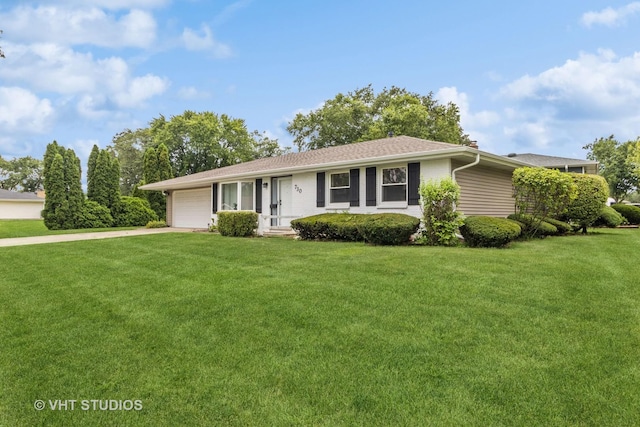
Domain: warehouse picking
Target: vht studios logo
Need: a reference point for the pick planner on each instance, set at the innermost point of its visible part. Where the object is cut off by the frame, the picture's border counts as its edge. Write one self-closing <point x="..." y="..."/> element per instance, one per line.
<point x="88" y="405"/>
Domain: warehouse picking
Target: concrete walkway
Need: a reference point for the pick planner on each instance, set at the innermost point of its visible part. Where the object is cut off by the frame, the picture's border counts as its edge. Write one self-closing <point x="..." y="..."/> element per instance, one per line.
<point x="36" y="240"/>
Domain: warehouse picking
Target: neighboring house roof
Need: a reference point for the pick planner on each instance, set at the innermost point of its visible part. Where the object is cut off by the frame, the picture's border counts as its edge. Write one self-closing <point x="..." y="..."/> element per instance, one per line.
<point x="376" y="151"/>
<point x="554" y="161"/>
<point x="15" y="196"/>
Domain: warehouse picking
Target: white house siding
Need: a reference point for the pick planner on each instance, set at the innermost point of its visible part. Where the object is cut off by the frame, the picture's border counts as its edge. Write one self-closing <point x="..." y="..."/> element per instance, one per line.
<point x="191" y="208"/>
<point x="169" y="209"/>
<point x="485" y="191"/>
<point x="21" y="209"/>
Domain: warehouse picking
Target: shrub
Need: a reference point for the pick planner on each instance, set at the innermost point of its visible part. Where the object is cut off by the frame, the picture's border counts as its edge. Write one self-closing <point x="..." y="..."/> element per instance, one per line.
<point x="609" y="217"/>
<point x="591" y="197"/>
<point x="542" y="192"/>
<point x="156" y="224"/>
<point x="94" y="215"/>
<point x="381" y="229"/>
<point x="388" y="228"/>
<point x="533" y="226"/>
<point x="329" y="226"/>
<point x="629" y="212"/>
<point x="441" y="221"/>
<point x="237" y="223"/>
<point x="133" y="212"/>
<point x="489" y="232"/>
<point x="561" y="226"/>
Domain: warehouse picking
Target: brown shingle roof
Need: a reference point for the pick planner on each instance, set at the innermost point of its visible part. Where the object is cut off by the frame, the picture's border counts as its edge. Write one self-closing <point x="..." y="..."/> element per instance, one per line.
<point x="550" y="161"/>
<point x="376" y="149"/>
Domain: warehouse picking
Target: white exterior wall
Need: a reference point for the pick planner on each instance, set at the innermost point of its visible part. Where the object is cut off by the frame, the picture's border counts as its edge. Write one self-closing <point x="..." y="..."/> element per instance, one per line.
<point x="21" y="209"/>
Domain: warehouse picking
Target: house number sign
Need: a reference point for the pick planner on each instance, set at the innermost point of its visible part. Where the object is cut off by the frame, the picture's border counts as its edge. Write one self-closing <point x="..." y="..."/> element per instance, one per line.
<point x="298" y="189"/>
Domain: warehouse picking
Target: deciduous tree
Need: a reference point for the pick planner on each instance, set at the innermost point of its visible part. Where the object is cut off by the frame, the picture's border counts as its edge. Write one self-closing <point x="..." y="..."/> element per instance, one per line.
<point x="363" y="115"/>
<point x="21" y="174"/>
<point x="616" y="165"/>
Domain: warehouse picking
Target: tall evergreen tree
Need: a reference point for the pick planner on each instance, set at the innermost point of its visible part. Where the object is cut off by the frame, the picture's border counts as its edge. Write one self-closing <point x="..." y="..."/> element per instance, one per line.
<point x="164" y="163"/>
<point x="55" y="201"/>
<point x="73" y="188"/>
<point x="91" y="167"/>
<point x="106" y="181"/>
<point x="151" y="173"/>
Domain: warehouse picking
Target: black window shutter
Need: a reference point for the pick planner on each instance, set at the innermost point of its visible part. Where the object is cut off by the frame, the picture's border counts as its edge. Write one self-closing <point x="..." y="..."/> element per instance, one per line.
<point x="354" y="187"/>
<point x="320" y="189"/>
<point x="259" y="195"/>
<point x="413" y="184"/>
<point x="214" y="197"/>
<point x="370" y="174"/>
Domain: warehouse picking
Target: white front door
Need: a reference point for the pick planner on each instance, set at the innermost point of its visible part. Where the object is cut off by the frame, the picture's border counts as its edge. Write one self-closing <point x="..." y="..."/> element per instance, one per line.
<point x="284" y="201"/>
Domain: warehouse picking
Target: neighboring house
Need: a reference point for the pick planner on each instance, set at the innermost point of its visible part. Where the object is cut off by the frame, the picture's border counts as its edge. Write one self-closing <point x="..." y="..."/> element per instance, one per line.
<point x="563" y="164"/>
<point x="365" y="177"/>
<point x="14" y="205"/>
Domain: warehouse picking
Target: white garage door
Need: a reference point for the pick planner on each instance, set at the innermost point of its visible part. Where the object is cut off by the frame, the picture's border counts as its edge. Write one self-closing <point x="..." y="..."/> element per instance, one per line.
<point x="192" y="208"/>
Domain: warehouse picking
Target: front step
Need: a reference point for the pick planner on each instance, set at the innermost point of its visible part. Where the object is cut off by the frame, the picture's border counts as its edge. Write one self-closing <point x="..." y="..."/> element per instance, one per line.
<point x="279" y="232"/>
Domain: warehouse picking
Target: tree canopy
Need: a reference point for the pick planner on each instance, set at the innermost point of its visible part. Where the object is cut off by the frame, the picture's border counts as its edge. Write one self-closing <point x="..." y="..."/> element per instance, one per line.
<point x="363" y="115"/>
<point x="617" y="165"/>
<point x="1" y="52"/>
<point x="21" y="174"/>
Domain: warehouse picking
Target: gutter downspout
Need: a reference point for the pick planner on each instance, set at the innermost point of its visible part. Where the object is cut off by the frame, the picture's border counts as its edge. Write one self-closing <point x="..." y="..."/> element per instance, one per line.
<point x="453" y="172"/>
<point x="475" y="162"/>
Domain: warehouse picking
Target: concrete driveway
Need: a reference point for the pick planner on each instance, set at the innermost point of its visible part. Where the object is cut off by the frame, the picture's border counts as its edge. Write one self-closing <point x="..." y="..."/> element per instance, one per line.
<point x="36" y="240"/>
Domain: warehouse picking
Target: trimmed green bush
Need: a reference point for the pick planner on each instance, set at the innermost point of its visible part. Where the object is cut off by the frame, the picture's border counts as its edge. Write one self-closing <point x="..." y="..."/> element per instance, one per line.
<point x="592" y="195"/>
<point x="441" y="220"/>
<point x="533" y="227"/>
<point x="237" y="223"/>
<point x="561" y="226"/>
<point x="610" y="218"/>
<point x="94" y="215"/>
<point x="380" y="229"/>
<point x="133" y="212"/>
<point x="388" y="228"/>
<point x="156" y="224"/>
<point x="629" y="212"/>
<point x="489" y="232"/>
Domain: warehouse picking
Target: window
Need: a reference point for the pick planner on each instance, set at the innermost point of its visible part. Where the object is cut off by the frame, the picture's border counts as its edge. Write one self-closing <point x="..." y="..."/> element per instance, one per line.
<point x="230" y="196"/>
<point x="394" y="184"/>
<point x="340" y="187"/>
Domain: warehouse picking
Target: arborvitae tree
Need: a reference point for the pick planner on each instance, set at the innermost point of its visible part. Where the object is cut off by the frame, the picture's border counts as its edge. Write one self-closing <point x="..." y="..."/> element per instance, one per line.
<point x="56" y="201"/>
<point x="52" y="149"/>
<point x="151" y="173"/>
<point x="91" y="167"/>
<point x="106" y="181"/>
<point x="75" y="196"/>
<point x="164" y="163"/>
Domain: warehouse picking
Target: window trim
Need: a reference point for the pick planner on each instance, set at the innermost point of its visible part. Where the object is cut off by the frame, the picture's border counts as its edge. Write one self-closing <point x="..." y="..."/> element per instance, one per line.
<point x="238" y="204"/>
<point x="381" y="185"/>
<point x="330" y="187"/>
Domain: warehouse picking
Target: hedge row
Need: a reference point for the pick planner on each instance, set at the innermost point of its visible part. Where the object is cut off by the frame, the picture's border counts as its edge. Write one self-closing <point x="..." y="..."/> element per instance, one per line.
<point x="489" y="232"/>
<point x="629" y="212"/>
<point x="548" y="227"/>
<point x="609" y="217"/>
<point x="379" y="229"/>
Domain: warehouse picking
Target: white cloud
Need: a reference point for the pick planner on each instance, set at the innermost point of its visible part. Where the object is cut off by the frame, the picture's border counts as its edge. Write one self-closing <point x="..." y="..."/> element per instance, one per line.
<point x="592" y="85"/>
<point x="139" y="90"/>
<point x="79" y="26"/>
<point x="205" y="42"/>
<point x="190" y="92"/>
<point x="610" y="17"/>
<point x="21" y="110"/>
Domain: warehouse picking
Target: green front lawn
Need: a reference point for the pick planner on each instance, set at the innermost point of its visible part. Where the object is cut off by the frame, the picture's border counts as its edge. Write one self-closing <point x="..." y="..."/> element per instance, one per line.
<point x="207" y="330"/>
<point x="35" y="227"/>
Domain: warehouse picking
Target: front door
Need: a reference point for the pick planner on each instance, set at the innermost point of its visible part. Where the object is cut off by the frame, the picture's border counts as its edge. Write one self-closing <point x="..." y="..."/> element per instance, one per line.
<point x="284" y="202"/>
<point x="280" y="201"/>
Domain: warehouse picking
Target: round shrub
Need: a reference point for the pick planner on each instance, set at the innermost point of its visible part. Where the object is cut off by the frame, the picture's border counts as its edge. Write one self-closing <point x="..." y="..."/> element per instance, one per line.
<point x="561" y="226"/>
<point x="237" y="223"/>
<point x="609" y="217"/>
<point x="388" y="228"/>
<point x="629" y="212"/>
<point x="592" y="194"/>
<point x="133" y="212"/>
<point x="533" y="227"/>
<point x="94" y="215"/>
<point x="489" y="232"/>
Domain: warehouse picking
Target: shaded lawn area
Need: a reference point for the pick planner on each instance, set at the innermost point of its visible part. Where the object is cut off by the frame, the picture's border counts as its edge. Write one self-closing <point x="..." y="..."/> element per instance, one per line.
<point x="207" y="330"/>
<point x="10" y="228"/>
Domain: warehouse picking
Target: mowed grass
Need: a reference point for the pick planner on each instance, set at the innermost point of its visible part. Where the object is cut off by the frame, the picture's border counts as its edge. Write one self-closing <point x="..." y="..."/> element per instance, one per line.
<point x="10" y="228"/>
<point x="207" y="330"/>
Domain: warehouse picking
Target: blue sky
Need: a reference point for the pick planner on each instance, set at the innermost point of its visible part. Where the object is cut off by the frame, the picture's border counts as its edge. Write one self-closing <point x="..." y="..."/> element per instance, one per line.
<point x="545" y="77"/>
